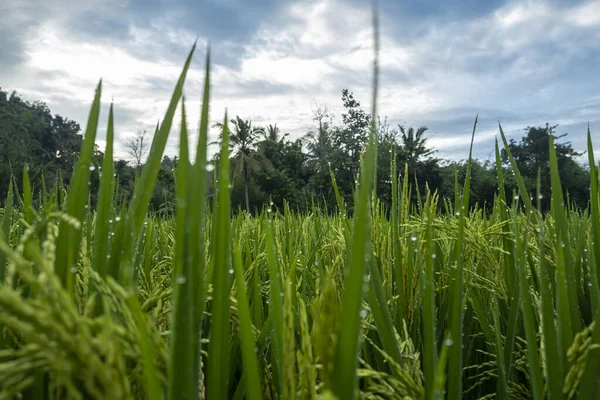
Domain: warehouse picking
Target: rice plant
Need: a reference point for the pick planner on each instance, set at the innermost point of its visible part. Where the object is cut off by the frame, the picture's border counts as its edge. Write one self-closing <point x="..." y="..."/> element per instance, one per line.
<point x="407" y="302"/>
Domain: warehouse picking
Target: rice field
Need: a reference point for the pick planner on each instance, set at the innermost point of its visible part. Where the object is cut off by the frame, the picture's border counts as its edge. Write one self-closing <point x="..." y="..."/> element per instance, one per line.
<point x="425" y="300"/>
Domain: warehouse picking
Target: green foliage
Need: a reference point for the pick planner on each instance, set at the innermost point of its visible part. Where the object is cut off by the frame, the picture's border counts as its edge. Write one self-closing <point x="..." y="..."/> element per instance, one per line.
<point x="30" y="135"/>
<point x="532" y="153"/>
<point x="267" y="166"/>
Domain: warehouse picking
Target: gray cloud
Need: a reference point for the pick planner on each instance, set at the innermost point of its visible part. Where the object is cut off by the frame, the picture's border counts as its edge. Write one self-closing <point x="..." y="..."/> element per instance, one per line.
<point x="518" y="62"/>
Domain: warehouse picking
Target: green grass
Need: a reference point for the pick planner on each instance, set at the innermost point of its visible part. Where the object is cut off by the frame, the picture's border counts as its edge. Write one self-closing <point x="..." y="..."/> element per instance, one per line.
<point x="382" y="304"/>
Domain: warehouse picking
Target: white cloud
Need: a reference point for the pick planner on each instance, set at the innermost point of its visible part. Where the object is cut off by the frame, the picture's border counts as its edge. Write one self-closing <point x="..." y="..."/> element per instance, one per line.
<point x="588" y="14"/>
<point x="499" y="63"/>
<point x="283" y="68"/>
<point x="517" y="14"/>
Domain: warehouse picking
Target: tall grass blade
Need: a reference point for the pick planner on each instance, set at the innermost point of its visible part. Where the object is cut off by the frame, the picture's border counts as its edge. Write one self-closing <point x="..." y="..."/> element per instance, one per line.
<point x="511" y="277"/>
<point x="344" y="373"/>
<point x="381" y="313"/>
<point x="183" y="374"/>
<point x="566" y="295"/>
<point x="520" y="255"/>
<point x="143" y="190"/>
<point x="502" y="391"/>
<point x="428" y="309"/>
<point x="554" y="362"/>
<point x="69" y="238"/>
<point x="6" y="225"/>
<point x="594" y="270"/>
<point x="521" y="184"/>
<point x="152" y="381"/>
<point x="219" y="346"/>
<point x="589" y="380"/>
<point x="276" y="306"/>
<point x="398" y="271"/>
<point x="250" y="361"/>
<point x="197" y="196"/>
<point x="455" y="353"/>
<point x="27" y="196"/>
<point x="104" y="208"/>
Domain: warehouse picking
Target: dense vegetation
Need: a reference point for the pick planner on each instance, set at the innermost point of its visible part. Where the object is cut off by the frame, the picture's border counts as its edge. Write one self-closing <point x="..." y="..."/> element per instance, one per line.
<point x="268" y="167"/>
<point x="408" y="296"/>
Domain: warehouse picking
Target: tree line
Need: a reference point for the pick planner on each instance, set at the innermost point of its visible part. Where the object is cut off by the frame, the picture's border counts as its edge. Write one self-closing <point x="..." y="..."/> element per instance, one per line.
<point x="268" y="168"/>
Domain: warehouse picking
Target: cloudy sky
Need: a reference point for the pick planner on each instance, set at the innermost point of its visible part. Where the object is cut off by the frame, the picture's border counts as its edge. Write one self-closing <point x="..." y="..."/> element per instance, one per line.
<point x="520" y="62"/>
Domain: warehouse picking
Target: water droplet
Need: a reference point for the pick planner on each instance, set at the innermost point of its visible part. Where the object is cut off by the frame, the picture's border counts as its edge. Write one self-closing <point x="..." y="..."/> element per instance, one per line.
<point x="209" y="167"/>
<point x="73" y="270"/>
<point x="92" y="167"/>
<point x="457" y="213"/>
<point x="231" y="271"/>
<point x="181" y="280"/>
<point x="117" y="219"/>
<point x="413" y="238"/>
<point x="434" y="256"/>
<point x="516" y="197"/>
<point x="448" y="341"/>
<point x="363" y="313"/>
<point x="540" y="196"/>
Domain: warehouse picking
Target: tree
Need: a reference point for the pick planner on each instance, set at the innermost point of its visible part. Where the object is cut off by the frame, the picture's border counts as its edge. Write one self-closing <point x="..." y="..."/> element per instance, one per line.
<point x="272" y="133"/>
<point x="387" y="146"/>
<point x="137" y="147"/>
<point x="31" y="136"/>
<point x="533" y="152"/>
<point x="414" y="147"/>
<point x="410" y="146"/>
<point x="283" y="175"/>
<point x="353" y="136"/>
<point x="348" y="143"/>
<point x="242" y="140"/>
<point x="319" y="145"/>
<point x="484" y="181"/>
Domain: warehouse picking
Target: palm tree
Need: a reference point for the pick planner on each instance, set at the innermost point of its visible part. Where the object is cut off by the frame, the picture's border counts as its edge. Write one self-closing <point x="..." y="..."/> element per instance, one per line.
<point x="271" y="133"/>
<point x="319" y="146"/>
<point x="414" y="144"/>
<point x="242" y="141"/>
